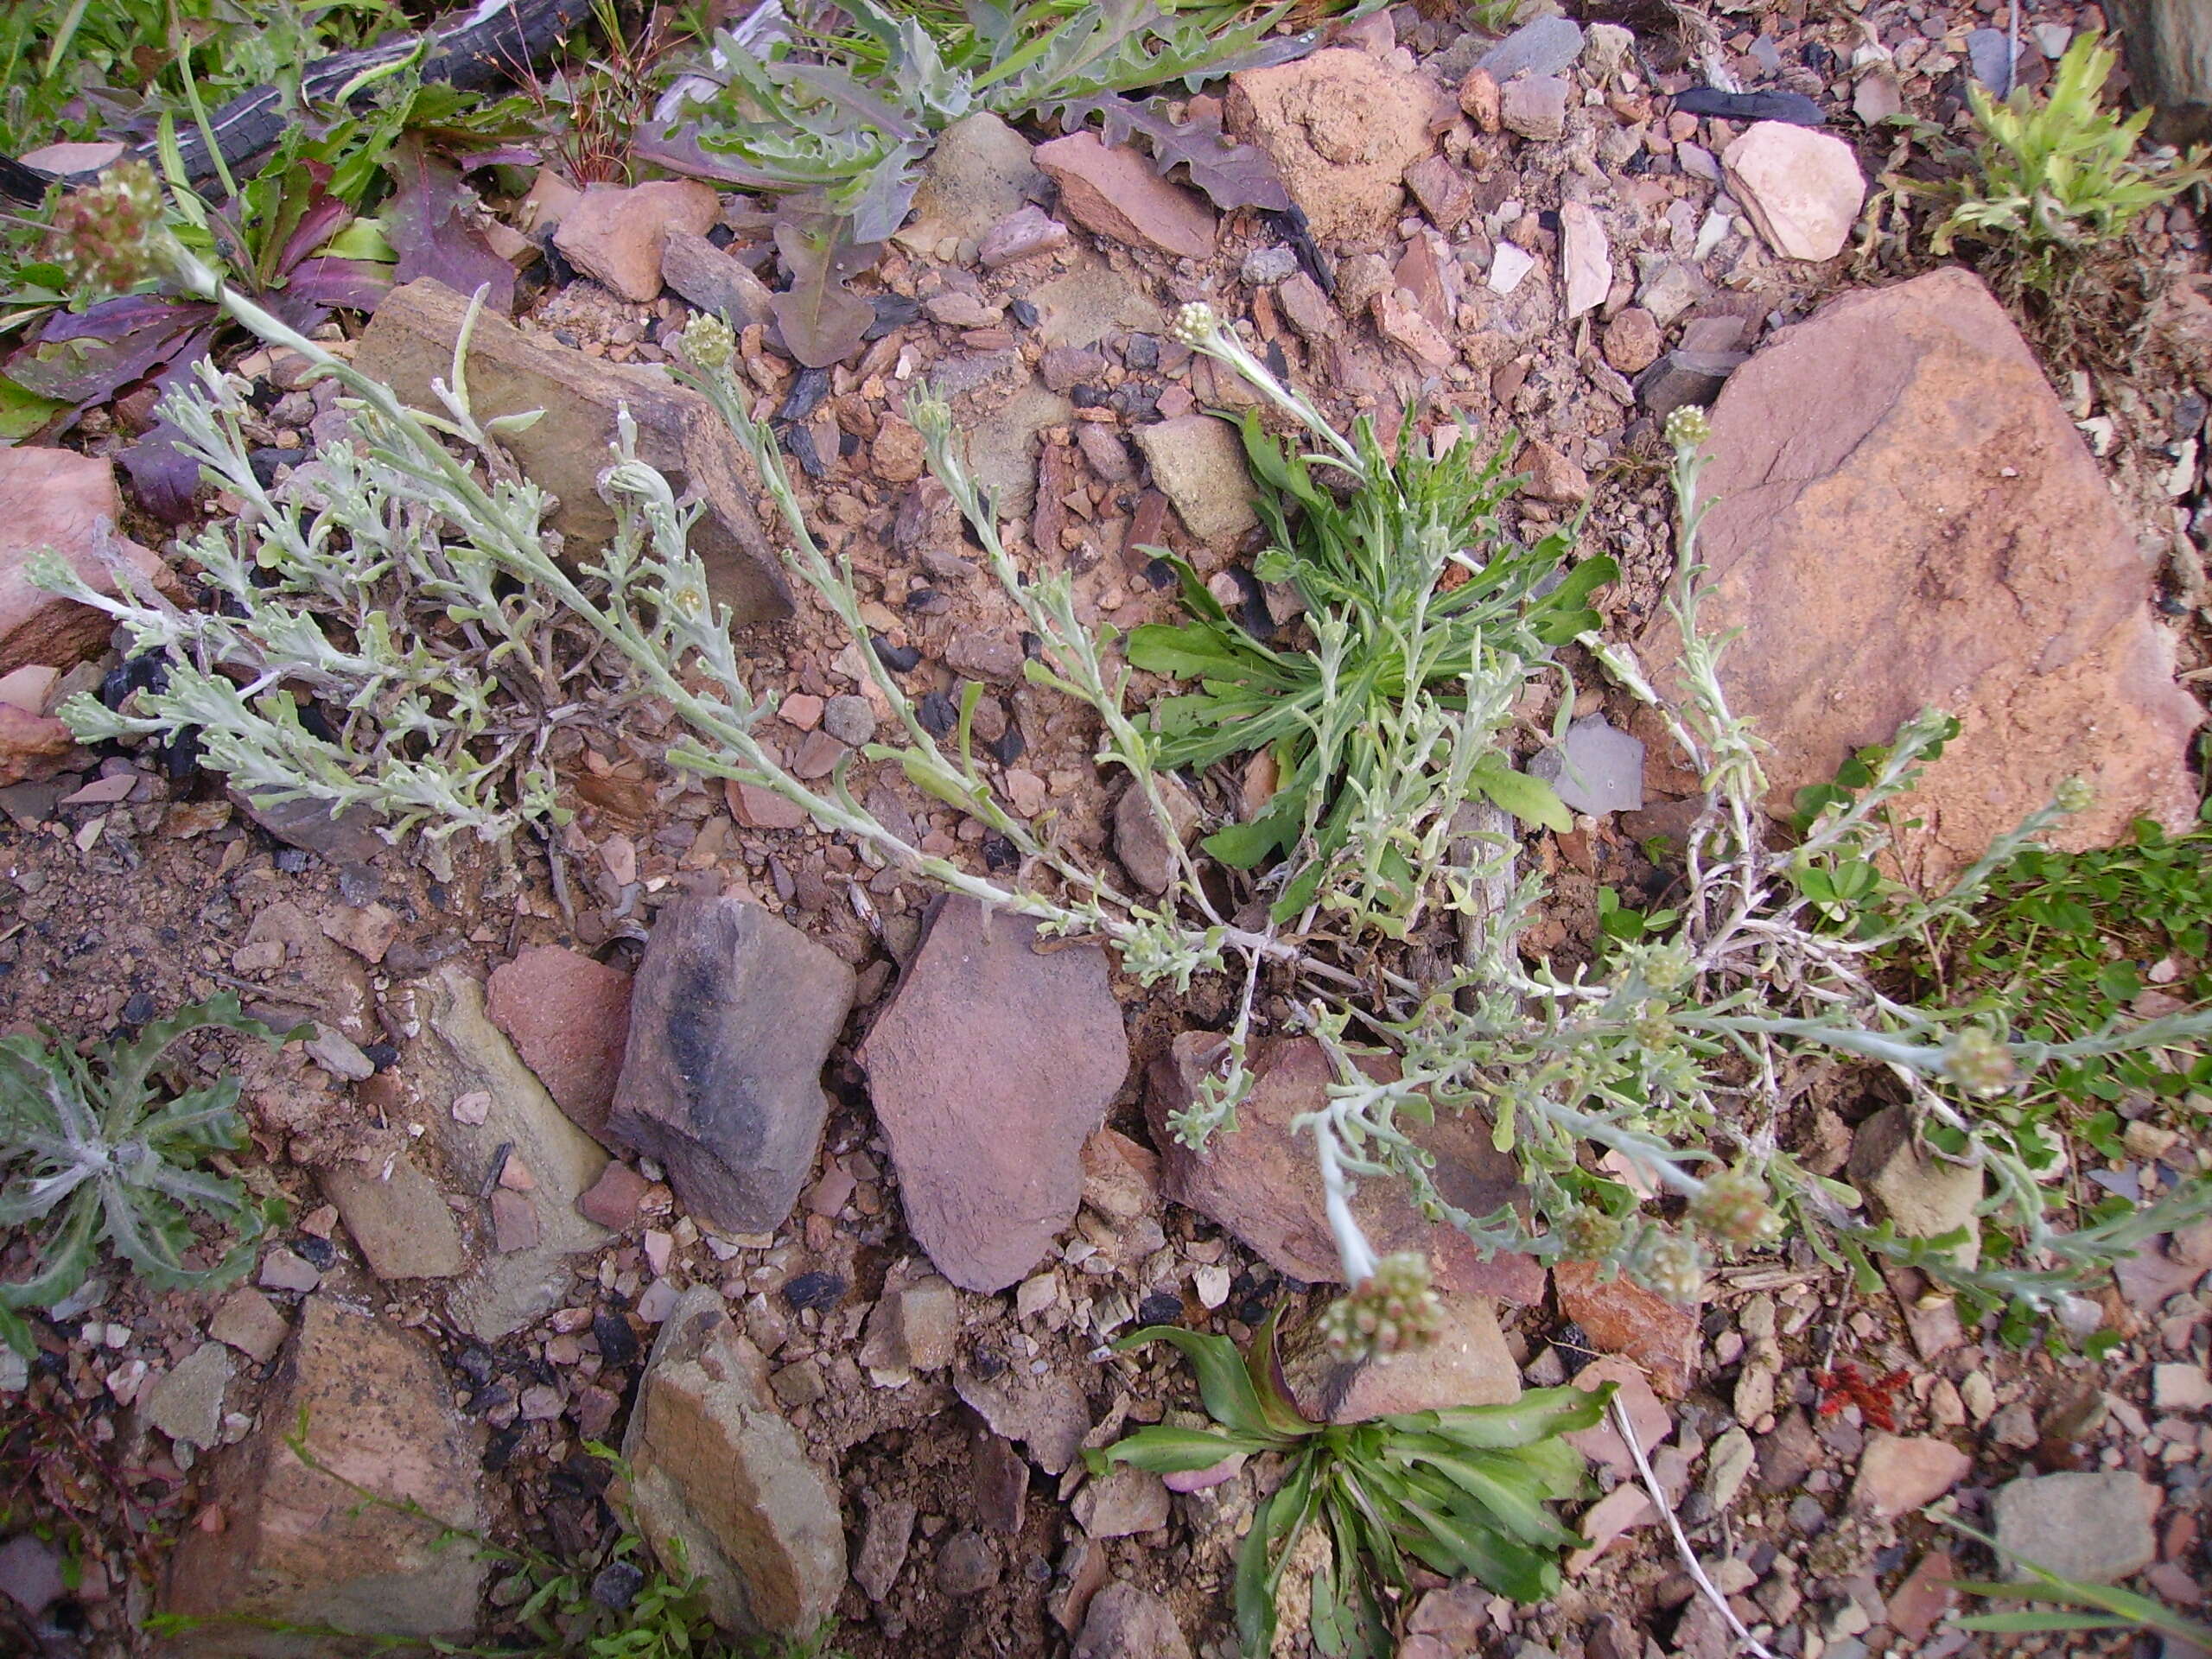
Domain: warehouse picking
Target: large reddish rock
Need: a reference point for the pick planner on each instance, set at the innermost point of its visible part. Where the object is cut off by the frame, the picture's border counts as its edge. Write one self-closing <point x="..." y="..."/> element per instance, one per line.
<point x="1111" y="189"/>
<point x="1343" y="127"/>
<point x="568" y="1017"/>
<point x="33" y="747"/>
<point x="297" y="1545"/>
<point x="1261" y="1180"/>
<point x="1903" y="517"/>
<point x="992" y="1065"/>
<point x="731" y="1020"/>
<point x="1623" y="1318"/>
<point x="59" y="500"/>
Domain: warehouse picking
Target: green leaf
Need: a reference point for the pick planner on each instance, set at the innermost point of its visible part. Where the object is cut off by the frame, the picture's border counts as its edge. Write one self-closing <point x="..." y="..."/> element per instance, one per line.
<point x="1530" y="800"/>
<point x="1266" y="1552"/>
<point x="1501" y="1564"/>
<point x="2024" y="1623"/>
<point x="1224" y="1382"/>
<point x="1192" y="651"/>
<point x="1165" y="1449"/>
<point x="1503" y="1488"/>
<point x="23" y="411"/>
<point x="1539" y="1415"/>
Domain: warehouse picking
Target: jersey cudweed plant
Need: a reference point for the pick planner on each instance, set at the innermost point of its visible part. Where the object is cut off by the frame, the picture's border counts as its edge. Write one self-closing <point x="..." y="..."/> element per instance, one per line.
<point x="1676" y="1052"/>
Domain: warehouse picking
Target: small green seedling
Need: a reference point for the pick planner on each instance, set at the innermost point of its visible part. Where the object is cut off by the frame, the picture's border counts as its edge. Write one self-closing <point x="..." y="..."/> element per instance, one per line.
<point x="2061" y="174"/>
<point x="94" y="1153"/>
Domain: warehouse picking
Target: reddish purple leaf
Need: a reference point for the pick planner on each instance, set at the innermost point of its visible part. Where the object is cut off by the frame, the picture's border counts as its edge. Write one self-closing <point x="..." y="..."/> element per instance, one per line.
<point x="426" y="222"/>
<point x="820" y="322"/>
<point x="87" y="369"/>
<point x="162" y="476"/>
<point x="324" y="218"/>
<point x="111" y="319"/>
<point x="352" y="284"/>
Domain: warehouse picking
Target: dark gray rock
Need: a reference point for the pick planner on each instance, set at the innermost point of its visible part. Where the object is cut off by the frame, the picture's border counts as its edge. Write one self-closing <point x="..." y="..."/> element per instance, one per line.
<point x="713" y="281"/>
<point x="2169" y="45"/>
<point x="1127" y="1622"/>
<point x="1545" y="47"/>
<point x="1685" y="377"/>
<point x="731" y="1018"/>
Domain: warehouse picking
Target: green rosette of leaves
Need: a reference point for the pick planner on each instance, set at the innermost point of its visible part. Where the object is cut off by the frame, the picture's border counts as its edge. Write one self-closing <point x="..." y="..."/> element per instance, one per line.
<point x="94" y="1153"/>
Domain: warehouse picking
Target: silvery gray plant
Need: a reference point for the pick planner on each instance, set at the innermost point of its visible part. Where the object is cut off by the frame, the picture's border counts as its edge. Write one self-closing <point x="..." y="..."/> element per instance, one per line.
<point x="1671" y="1055"/>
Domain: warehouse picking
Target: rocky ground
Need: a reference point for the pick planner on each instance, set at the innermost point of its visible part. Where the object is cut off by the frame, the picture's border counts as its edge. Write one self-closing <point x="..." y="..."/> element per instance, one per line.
<point x="847" y="1319"/>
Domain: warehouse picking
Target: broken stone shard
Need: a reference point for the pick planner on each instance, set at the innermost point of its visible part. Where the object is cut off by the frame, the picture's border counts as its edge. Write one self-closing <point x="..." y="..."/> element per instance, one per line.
<point x="298" y="1546"/>
<point x="462" y="1054"/>
<point x="731" y="1020"/>
<point x="410" y="341"/>
<point x="569" y="1017"/>
<point x="1112" y="189"/>
<point x="721" y="1483"/>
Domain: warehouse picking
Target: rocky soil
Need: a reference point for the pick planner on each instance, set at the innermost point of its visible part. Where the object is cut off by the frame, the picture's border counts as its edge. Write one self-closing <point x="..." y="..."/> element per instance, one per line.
<point x="688" y="1130"/>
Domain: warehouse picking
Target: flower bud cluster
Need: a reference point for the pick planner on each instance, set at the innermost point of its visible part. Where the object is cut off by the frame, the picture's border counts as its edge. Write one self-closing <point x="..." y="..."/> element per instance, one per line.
<point x="1734" y="1208"/>
<point x="104" y="234"/>
<point x="1979" y="1062"/>
<point x="1688" y="428"/>
<point x="1393" y="1308"/>
<point x="709" y="341"/>
<point x="1670" y="1265"/>
<point x="1194" y="323"/>
<point x="1589" y="1234"/>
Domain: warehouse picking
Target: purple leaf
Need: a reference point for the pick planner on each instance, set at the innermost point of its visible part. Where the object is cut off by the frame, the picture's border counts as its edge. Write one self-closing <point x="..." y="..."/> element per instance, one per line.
<point x="426" y="222"/>
<point x="324" y="218"/>
<point x="1233" y="175"/>
<point x="352" y="284"/>
<point x="820" y="322"/>
<point x="87" y="370"/>
<point x="162" y="476"/>
<point x="112" y="319"/>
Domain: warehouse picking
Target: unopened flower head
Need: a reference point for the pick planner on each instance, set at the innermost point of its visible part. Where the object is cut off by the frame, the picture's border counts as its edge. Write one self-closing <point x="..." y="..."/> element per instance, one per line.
<point x="709" y="341"/>
<point x="1688" y="426"/>
<point x="2075" y="795"/>
<point x="1671" y="1265"/>
<point x="1393" y="1308"/>
<point x="1979" y="1062"/>
<point x="931" y="416"/>
<point x="1588" y="1234"/>
<point x="1194" y="323"/>
<point x="107" y="234"/>
<point x="1666" y="966"/>
<point x="1734" y="1209"/>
